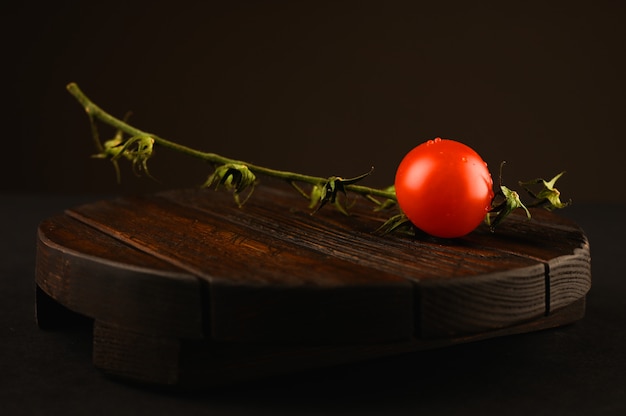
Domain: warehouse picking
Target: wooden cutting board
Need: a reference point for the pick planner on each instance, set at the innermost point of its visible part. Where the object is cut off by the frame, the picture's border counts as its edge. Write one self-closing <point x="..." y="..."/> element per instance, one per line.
<point x="186" y="288"/>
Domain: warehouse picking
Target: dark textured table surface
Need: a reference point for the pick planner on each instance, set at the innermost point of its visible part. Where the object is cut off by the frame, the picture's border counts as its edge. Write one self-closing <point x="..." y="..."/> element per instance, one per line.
<point x="577" y="369"/>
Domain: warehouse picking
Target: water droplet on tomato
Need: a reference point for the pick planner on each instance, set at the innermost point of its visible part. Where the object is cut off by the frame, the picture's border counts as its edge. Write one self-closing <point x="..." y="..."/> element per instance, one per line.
<point x="430" y="142"/>
<point x="437" y="139"/>
<point x="464" y="159"/>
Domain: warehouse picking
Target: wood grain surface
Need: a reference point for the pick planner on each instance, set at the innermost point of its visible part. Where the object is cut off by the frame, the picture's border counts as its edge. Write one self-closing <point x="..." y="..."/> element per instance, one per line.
<point x="186" y="287"/>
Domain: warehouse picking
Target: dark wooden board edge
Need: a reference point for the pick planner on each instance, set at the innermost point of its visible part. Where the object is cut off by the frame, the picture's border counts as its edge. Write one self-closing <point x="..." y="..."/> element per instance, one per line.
<point x="180" y="363"/>
<point x="200" y="364"/>
<point x="115" y="283"/>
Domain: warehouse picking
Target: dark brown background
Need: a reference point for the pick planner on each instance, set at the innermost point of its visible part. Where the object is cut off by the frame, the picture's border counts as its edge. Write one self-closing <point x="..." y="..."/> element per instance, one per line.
<point x="318" y="87"/>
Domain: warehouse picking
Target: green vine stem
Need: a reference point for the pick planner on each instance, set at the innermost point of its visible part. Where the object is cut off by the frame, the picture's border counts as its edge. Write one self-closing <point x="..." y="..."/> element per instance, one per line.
<point x="233" y="169"/>
<point x="239" y="176"/>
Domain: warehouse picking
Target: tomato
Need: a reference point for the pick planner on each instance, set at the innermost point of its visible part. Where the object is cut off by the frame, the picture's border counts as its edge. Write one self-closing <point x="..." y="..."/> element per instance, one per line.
<point x="444" y="188"/>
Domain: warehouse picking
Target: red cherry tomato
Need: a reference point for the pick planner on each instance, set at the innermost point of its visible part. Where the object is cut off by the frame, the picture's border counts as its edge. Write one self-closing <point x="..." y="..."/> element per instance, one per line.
<point x="444" y="188"/>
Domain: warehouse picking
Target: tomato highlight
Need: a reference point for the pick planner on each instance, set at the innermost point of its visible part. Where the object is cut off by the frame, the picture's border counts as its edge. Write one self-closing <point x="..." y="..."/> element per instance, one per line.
<point x="444" y="188"/>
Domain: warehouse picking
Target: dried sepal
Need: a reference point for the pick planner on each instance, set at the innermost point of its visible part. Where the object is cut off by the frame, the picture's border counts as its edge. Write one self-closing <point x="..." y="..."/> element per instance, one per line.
<point x="328" y="191"/>
<point x="137" y="149"/>
<point x="548" y="196"/>
<point x="316" y="196"/>
<point x="397" y="223"/>
<point x="109" y="150"/>
<point x="235" y="177"/>
<point x="510" y="203"/>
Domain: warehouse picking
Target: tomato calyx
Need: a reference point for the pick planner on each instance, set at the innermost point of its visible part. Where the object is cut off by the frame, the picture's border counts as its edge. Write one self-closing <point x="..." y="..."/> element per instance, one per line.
<point x="328" y="191"/>
<point x="548" y="197"/>
<point x="235" y="177"/>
